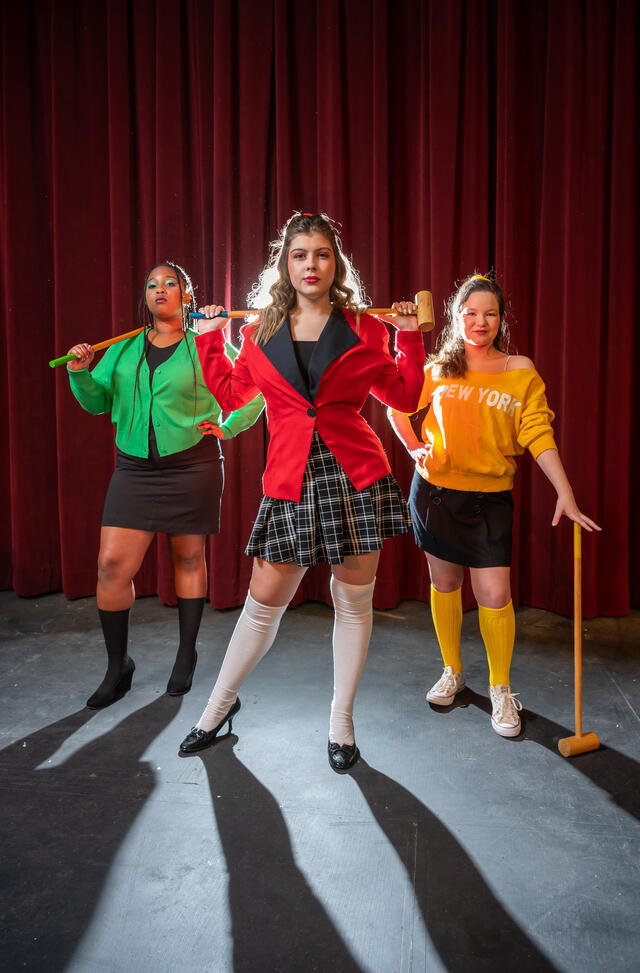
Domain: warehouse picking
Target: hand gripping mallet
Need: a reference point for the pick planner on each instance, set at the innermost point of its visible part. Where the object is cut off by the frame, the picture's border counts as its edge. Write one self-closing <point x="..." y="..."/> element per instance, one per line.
<point x="581" y="742"/>
<point x="101" y="344"/>
<point x="424" y="313"/>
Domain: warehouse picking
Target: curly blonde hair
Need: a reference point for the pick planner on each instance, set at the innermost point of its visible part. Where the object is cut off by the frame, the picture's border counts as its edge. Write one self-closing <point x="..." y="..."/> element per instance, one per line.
<point x="450" y="359"/>
<point x="273" y="294"/>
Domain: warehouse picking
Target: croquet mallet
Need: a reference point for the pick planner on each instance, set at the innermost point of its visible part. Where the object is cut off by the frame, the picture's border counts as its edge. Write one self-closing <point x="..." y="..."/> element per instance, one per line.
<point x="581" y="742"/>
<point x="423" y="299"/>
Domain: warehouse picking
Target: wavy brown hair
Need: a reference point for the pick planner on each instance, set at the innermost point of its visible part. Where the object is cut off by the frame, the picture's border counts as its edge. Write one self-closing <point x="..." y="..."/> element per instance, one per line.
<point x="450" y="358"/>
<point x="274" y="295"/>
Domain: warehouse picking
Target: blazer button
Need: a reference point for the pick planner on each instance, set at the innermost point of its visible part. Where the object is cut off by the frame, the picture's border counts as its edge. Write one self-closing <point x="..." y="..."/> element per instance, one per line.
<point x="311" y="413"/>
<point x="436" y="500"/>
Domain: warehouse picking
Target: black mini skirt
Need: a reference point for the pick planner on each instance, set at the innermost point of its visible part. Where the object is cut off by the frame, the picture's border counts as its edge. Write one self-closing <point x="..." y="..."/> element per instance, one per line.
<point x="178" y="494"/>
<point x="470" y="528"/>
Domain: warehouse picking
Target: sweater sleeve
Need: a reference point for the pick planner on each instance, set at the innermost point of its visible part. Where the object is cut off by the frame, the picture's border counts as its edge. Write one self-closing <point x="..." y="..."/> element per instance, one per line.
<point x="91" y="395"/>
<point x="400" y="380"/>
<point x="535" y="432"/>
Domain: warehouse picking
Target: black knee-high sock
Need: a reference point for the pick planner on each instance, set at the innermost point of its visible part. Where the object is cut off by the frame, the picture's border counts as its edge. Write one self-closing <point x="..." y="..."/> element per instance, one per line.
<point x="115" y="628"/>
<point x="189" y="617"/>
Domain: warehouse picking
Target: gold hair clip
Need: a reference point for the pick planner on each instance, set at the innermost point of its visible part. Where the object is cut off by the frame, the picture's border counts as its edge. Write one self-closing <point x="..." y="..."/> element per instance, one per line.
<point x="480" y="277"/>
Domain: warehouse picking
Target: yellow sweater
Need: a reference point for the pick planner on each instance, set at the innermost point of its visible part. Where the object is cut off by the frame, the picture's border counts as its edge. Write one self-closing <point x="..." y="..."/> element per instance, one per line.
<point x="478" y="423"/>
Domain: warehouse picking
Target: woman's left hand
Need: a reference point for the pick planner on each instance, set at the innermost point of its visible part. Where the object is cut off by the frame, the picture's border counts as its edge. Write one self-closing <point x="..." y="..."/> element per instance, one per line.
<point x="208" y="428"/>
<point x="567" y="507"/>
<point x="405" y="318"/>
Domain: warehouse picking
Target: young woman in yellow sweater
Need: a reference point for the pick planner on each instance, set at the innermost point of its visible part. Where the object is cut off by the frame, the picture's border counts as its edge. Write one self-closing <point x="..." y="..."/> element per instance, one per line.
<point x="484" y="408"/>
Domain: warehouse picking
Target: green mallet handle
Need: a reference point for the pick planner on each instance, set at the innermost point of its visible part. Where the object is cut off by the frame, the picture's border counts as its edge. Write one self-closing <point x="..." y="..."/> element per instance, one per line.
<point x="100" y="345"/>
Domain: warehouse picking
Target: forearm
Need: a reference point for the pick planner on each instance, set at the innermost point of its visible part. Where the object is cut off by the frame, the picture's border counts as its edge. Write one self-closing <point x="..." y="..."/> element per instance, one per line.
<point x="551" y="465"/>
<point x="401" y="425"/>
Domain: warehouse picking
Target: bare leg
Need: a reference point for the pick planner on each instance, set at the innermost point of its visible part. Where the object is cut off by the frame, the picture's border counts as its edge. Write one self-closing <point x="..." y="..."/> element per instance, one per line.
<point x="122" y="552"/>
<point x="189" y="565"/>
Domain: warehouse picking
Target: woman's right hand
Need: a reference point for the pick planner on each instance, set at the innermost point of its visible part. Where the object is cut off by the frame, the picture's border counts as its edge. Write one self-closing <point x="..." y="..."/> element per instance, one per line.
<point x="84" y="355"/>
<point x="419" y="454"/>
<point x="211" y="321"/>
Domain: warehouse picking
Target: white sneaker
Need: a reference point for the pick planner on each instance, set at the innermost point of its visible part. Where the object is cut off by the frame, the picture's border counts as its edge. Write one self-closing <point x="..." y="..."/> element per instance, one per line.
<point x="504" y="718"/>
<point x="444" y="691"/>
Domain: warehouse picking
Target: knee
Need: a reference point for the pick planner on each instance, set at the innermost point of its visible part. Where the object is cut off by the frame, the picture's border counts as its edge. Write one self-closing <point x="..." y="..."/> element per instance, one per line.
<point x="494" y="598"/>
<point x="188" y="562"/>
<point x="446" y="585"/>
<point x="112" y="567"/>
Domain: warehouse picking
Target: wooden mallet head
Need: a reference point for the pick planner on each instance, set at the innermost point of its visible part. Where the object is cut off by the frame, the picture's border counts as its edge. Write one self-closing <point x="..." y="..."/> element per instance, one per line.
<point x="426" y="320"/>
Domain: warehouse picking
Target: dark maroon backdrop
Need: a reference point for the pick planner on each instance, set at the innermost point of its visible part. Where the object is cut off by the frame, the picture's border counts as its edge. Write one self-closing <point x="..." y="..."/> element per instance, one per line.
<point x="445" y="136"/>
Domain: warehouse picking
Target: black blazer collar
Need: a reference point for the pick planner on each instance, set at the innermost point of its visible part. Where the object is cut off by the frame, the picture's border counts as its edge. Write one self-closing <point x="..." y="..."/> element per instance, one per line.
<point x="337" y="338"/>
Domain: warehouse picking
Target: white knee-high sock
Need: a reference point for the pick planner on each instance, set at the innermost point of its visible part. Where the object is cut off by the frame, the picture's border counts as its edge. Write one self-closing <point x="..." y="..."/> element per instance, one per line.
<point x="351" y="635"/>
<point x="252" y="638"/>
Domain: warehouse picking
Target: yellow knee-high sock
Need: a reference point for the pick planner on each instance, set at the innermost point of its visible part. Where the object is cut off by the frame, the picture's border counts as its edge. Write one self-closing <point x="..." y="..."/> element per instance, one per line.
<point x="446" y="611"/>
<point x="498" y="628"/>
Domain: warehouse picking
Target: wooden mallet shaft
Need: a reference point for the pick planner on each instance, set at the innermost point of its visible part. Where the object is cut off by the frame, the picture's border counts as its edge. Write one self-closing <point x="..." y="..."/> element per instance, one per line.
<point x="580" y="742"/>
<point x="423" y="299"/>
<point x="97" y="347"/>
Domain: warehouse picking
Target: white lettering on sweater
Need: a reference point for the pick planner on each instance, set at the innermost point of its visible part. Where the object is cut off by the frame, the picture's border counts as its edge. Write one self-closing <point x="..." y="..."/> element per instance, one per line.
<point x="491" y="397"/>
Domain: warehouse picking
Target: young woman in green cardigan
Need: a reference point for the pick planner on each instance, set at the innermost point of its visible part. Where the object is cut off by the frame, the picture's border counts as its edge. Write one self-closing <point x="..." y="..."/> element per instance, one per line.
<point x="168" y="475"/>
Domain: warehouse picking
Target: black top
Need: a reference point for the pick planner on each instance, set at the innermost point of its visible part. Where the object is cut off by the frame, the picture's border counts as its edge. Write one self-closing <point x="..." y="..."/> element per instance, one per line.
<point x="206" y="450"/>
<point x="303" y="351"/>
<point x="156" y="356"/>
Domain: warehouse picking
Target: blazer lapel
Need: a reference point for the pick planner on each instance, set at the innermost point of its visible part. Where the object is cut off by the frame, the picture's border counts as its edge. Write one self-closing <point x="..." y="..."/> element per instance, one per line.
<point x="337" y="338"/>
<point x="279" y="351"/>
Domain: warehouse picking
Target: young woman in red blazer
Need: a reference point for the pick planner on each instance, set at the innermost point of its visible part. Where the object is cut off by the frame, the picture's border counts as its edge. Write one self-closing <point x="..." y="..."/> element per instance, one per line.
<point x="329" y="493"/>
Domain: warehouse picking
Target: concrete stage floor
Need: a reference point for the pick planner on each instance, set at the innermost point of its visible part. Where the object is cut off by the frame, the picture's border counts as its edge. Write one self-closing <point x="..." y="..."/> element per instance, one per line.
<point x="447" y="848"/>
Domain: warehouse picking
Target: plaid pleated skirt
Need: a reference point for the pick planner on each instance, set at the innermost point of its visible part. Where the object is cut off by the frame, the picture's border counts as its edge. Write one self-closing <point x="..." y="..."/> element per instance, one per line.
<point x="332" y="521"/>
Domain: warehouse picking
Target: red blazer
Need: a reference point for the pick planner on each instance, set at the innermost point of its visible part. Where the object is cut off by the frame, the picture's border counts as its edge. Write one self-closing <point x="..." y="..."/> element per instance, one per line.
<point x="345" y="366"/>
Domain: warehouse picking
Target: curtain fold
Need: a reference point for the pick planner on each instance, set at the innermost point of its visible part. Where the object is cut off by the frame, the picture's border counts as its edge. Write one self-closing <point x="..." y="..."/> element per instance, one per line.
<point x="445" y="138"/>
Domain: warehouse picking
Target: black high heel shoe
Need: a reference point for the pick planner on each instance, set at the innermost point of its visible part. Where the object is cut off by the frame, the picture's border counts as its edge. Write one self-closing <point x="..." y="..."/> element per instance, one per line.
<point x="201" y="739"/>
<point x="178" y="687"/>
<point x="105" y="697"/>
<point x="342" y="756"/>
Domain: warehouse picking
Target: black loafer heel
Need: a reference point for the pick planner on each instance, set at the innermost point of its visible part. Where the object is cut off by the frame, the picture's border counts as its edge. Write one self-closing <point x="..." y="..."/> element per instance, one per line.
<point x="342" y="756"/>
<point x="201" y="739"/>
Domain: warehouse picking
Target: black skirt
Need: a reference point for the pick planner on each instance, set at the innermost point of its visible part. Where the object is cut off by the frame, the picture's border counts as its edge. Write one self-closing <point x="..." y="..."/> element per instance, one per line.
<point x="332" y="520"/>
<point x="177" y="494"/>
<point x="463" y="527"/>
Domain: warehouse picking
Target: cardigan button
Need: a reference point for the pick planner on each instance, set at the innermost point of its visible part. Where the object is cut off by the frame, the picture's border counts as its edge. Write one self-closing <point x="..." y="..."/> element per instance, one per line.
<point x="311" y="413"/>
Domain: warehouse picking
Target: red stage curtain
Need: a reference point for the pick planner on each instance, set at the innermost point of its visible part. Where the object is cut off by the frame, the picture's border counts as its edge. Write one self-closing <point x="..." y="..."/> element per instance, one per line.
<point x="446" y="137"/>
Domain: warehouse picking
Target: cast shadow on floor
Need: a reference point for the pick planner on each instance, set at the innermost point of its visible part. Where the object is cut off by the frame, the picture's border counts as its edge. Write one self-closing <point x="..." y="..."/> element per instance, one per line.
<point x="607" y="768"/>
<point x="277" y="921"/>
<point x="63" y="826"/>
<point x="279" y="924"/>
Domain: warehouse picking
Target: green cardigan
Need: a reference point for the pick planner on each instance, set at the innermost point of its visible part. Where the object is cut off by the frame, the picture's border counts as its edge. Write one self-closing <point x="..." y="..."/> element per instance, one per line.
<point x="169" y="404"/>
